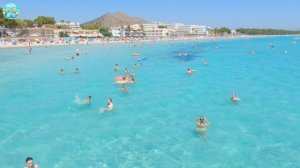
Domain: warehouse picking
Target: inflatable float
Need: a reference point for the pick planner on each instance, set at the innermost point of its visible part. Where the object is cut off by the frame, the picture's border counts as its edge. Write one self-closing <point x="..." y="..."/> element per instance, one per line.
<point x="142" y="59"/>
<point x="120" y="80"/>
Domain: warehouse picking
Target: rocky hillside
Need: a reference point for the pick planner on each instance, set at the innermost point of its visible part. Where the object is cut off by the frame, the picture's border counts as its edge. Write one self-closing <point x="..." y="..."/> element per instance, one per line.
<point x="115" y="19"/>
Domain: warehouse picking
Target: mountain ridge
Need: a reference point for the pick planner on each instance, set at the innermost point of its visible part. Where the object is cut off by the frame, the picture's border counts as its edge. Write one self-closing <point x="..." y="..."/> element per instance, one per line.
<point x="115" y="19"/>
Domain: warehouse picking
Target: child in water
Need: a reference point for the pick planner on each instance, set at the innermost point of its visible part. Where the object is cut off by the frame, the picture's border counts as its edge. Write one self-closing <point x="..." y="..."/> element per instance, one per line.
<point x="234" y="97"/>
<point x="190" y="71"/>
<point x="124" y="88"/>
<point x="116" y="68"/>
<point x="109" y="107"/>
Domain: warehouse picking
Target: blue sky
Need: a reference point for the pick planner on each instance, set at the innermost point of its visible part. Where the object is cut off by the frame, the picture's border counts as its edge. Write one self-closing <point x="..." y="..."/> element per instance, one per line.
<point x="283" y="14"/>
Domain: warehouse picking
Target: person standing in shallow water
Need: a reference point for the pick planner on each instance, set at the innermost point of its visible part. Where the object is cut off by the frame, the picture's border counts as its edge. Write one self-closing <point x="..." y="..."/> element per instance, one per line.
<point x="30" y="164"/>
<point x="132" y="75"/>
<point x="109" y="107"/>
<point x="202" y="123"/>
<point x="126" y="70"/>
<point x="116" y="67"/>
<point x="124" y="88"/>
<point x="77" y="52"/>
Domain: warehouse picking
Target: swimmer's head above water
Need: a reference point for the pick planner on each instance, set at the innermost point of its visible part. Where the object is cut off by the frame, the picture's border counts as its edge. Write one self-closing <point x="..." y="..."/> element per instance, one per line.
<point x="201" y="119"/>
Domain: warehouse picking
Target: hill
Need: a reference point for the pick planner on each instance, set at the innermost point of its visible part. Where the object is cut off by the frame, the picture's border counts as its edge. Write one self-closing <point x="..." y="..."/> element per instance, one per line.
<point x="115" y="19"/>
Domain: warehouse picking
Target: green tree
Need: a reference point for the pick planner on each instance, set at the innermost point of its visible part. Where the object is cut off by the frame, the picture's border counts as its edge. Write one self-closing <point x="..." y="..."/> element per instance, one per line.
<point x="29" y="23"/>
<point x="23" y="32"/>
<point x="62" y="27"/>
<point x="222" y="30"/>
<point x="42" y="20"/>
<point x="266" y="31"/>
<point x="20" y="24"/>
<point x="1" y="13"/>
<point x="142" y="27"/>
<point x="90" y="27"/>
<point x="162" y="26"/>
<point x="63" y="34"/>
<point x="105" y="32"/>
<point x="128" y="28"/>
<point x="50" y="26"/>
<point x="8" y="23"/>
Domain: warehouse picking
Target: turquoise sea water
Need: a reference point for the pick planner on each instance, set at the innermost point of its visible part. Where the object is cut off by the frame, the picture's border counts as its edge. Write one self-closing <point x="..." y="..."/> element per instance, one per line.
<point x="154" y="124"/>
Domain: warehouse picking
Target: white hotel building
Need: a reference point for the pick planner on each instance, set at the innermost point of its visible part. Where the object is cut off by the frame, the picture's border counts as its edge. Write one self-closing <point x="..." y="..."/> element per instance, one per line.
<point x="70" y="25"/>
<point x="152" y="30"/>
<point x="179" y="29"/>
<point x="117" y="32"/>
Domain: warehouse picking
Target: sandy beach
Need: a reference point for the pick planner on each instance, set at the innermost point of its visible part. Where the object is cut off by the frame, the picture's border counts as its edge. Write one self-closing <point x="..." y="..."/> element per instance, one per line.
<point x="6" y="43"/>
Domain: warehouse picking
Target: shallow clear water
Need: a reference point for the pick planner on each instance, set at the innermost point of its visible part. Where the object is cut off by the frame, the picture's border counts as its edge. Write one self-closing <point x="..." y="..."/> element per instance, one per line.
<point x="154" y="124"/>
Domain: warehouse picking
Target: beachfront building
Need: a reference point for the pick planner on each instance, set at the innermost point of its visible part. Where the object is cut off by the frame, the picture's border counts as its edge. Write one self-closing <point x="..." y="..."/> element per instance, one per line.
<point x="69" y="25"/>
<point x="173" y="26"/>
<point x="117" y="32"/>
<point x="182" y="30"/>
<point x="135" y="27"/>
<point x="233" y="32"/>
<point x="134" y="30"/>
<point x="155" y="30"/>
<point x="80" y="33"/>
<point x="43" y="32"/>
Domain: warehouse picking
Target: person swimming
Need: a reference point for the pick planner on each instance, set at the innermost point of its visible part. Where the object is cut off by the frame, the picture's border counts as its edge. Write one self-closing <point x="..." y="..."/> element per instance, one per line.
<point x="234" y="97"/>
<point x="201" y="124"/>
<point x="117" y="68"/>
<point x="190" y="71"/>
<point x="126" y="70"/>
<point x="30" y="164"/>
<point x="132" y="75"/>
<point x="205" y="62"/>
<point x="77" y="52"/>
<point x="135" y="65"/>
<point x="182" y="54"/>
<point x="136" y="54"/>
<point x="67" y="58"/>
<point x="76" y="70"/>
<point x="88" y="100"/>
<point x="62" y="71"/>
<point x="109" y="107"/>
<point x="124" y="88"/>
